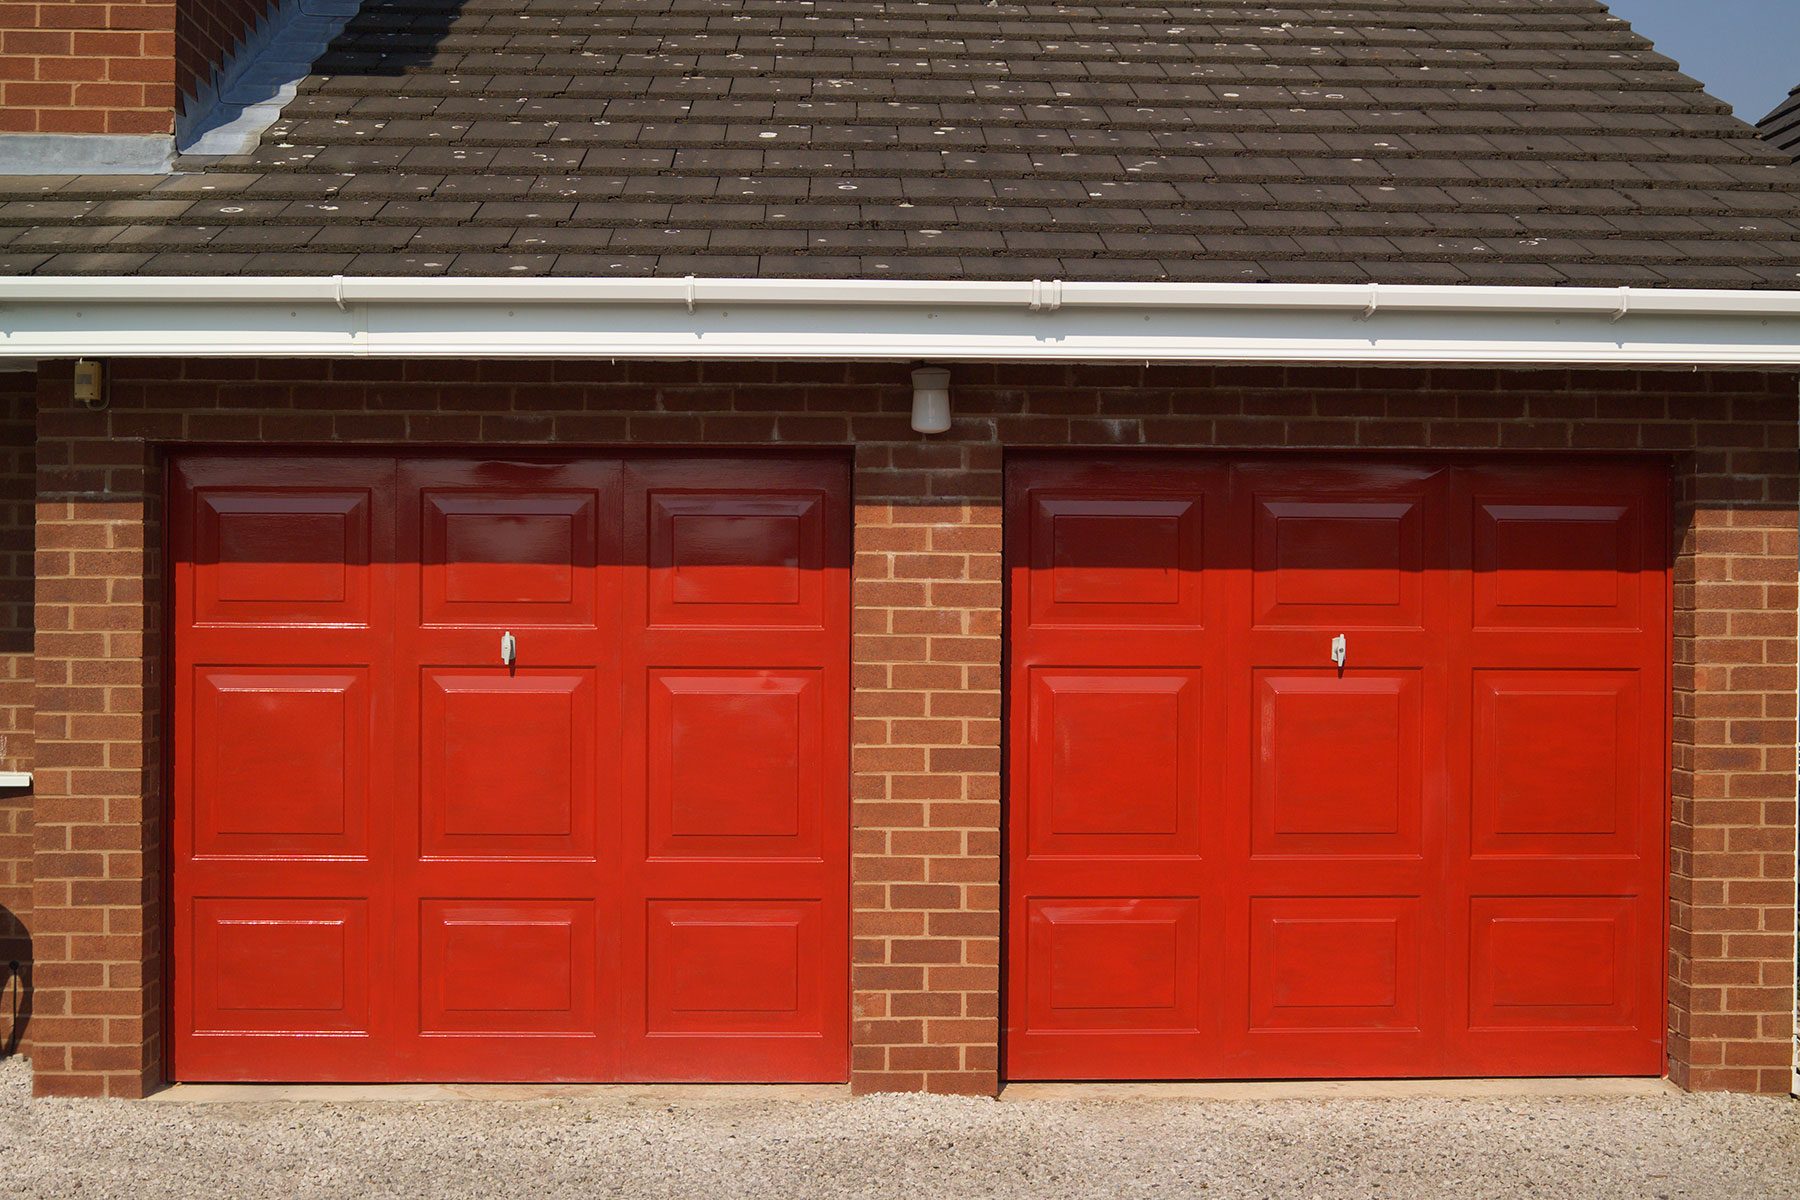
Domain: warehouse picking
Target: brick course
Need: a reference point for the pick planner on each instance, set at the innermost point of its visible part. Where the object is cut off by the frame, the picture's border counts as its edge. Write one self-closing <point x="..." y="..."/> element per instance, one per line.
<point x="926" y="661"/>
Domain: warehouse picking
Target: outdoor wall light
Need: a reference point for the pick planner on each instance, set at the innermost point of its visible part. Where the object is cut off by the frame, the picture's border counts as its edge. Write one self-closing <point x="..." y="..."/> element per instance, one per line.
<point x="931" y="400"/>
<point x="90" y="384"/>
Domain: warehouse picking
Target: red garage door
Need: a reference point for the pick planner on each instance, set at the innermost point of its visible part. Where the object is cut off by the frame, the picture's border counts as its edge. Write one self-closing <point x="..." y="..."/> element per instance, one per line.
<point x="1232" y="856"/>
<point x="524" y="770"/>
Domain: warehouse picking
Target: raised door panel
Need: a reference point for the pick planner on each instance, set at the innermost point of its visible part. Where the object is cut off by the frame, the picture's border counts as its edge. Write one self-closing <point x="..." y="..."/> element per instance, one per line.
<point x="505" y="557"/>
<point x="507" y="764"/>
<point x="1115" y="762"/>
<point x="1107" y="560"/>
<point x="279" y="965"/>
<point x="1338" y="764"/>
<point x="1554" y="962"/>
<point x="1335" y="963"/>
<point x="289" y="556"/>
<point x="280" y="762"/>
<point x="732" y="967"/>
<point x="736" y="764"/>
<point x="508" y="966"/>
<point x="725" y="558"/>
<point x="1559" y="763"/>
<point x="1344" y="563"/>
<point x="1547" y="564"/>
<point x="1113" y="965"/>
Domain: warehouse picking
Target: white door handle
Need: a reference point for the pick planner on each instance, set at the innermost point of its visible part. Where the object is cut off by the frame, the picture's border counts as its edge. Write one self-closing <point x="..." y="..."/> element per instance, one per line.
<point x="1340" y="650"/>
<point x="509" y="648"/>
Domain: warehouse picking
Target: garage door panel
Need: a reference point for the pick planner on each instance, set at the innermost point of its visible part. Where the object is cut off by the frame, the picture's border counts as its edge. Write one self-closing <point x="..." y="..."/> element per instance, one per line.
<point x="280" y="964"/>
<point x="736" y="766"/>
<point x="501" y="557"/>
<point x="1579" y="550"/>
<point x="294" y="556"/>
<point x="1114" y="964"/>
<point x="280" y="762"/>
<point x="736" y="644"/>
<point x="735" y="558"/>
<point x="1116" y="764"/>
<point x="1554" y="962"/>
<point x="1335" y="962"/>
<point x="734" y="966"/>
<point x="1340" y="562"/>
<point x="1098" y="560"/>
<point x="1338" y="763"/>
<point x="471" y="849"/>
<point x="507" y="764"/>
<point x="508" y="966"/>
<point x="1442" y="857"/>
<point x="1558" y="764"/>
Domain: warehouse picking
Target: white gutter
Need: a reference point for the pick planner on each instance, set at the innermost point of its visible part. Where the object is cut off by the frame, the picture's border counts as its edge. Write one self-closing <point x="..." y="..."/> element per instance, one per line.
<point x="45" y="317"/>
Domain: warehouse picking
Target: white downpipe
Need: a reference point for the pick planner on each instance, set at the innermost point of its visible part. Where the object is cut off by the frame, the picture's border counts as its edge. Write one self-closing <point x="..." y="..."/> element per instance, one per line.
<point x="54" y="317"/>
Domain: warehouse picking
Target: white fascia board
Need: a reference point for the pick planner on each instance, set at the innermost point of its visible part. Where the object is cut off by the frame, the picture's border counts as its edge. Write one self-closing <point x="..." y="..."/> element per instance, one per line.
<point x="890" y="319"/>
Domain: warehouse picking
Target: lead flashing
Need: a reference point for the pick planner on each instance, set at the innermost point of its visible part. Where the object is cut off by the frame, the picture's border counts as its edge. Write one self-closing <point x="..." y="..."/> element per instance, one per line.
<point x="86" y="153"/>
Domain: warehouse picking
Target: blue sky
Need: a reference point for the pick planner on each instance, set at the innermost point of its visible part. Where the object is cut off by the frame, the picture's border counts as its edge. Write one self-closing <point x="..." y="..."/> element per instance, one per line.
<point x="1746" y="52"/>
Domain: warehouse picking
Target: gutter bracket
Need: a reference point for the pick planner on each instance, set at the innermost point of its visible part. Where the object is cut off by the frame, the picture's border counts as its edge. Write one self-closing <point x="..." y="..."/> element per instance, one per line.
<point x="1374" y="302"/>
<point x="1624" y="306"/>
<point x="337" y="291"/>
<point x="693" y="290"/>
<point x="1046" y="297"/>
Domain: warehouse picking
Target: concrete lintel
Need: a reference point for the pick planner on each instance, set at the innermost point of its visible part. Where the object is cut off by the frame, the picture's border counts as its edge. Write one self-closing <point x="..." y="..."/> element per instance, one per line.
<point x="86" y="153"/>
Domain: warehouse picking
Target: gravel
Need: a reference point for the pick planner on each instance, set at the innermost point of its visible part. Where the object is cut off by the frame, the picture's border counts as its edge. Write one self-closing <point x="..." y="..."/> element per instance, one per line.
<point x="914" y="1147"/>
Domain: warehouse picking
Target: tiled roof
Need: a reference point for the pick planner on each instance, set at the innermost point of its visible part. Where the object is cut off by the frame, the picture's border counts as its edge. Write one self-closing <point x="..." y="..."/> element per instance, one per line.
<point x="1435" y="141"/>
<point x="1781" y="128"/>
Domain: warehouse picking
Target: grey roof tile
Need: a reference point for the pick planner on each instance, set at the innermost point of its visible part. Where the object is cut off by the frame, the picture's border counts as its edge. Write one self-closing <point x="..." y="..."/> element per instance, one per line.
<point x="1781" y="128"/>
<point x="1443" y="141"/>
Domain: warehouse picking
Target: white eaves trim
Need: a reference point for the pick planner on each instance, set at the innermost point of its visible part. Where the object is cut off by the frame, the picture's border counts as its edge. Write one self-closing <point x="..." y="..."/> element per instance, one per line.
<point x="62" y="317"/>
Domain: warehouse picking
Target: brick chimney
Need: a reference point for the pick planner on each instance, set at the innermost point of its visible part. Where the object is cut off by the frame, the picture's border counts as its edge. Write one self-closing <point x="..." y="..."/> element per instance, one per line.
<point x="90" y="87"/>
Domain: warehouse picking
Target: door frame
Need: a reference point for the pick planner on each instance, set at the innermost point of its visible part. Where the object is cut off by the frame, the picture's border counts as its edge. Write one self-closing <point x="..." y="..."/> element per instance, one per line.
<point x="1664" y="466"/>
<point x="163" y="457"/>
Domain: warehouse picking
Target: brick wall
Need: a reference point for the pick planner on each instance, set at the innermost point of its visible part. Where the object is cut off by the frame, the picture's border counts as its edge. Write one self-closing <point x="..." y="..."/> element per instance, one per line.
<point x="18" y="428"/>
<point x="68" y="66"/>
<point x="925" y="871"/>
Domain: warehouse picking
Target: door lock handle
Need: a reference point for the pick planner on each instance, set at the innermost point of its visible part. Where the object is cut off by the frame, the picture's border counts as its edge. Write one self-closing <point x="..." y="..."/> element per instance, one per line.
<point x="509" y="648"/>
<point x="1340" y="650"/>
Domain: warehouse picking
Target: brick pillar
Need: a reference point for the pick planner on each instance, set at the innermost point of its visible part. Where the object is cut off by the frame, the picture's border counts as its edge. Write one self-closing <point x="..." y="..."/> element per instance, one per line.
<point x="1731" y="942"/>
<point x="97" y="896"/>
<point x="925" y="890"/>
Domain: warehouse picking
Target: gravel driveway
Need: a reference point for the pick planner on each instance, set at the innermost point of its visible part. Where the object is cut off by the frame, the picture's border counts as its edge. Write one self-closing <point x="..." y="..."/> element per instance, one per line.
<point x="911" y="1147"/>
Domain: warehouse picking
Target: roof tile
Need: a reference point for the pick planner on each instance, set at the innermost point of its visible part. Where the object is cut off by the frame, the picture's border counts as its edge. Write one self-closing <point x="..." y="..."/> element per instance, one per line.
<point x="1440" y="141"/>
